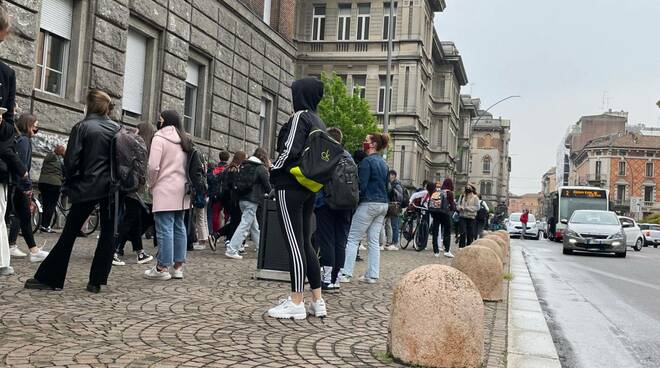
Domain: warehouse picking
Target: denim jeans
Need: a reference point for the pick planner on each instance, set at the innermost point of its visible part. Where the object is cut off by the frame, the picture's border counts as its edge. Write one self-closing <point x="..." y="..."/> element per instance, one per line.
<point x="390" y="232"/>
<point x="368" y="218"/>
<point x="394" y="221"/>
<point x="171" y="234"/>
<point x="248" y="223"/>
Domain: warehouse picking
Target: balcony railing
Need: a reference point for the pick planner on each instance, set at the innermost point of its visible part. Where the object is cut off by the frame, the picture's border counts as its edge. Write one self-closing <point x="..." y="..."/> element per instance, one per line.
<point x="345" y="46"/>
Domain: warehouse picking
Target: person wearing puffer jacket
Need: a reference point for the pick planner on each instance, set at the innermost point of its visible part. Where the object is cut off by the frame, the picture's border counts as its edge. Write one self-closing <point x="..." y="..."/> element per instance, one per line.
<point x="167" y="179"/>
<point x="468" y="206"/>
<point x="249" y="203"/>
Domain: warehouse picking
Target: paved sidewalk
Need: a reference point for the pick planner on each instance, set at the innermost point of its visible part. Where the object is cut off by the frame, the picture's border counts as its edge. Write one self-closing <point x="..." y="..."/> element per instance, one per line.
<point x="214" y="317"/>
<point x="530" y="343"/>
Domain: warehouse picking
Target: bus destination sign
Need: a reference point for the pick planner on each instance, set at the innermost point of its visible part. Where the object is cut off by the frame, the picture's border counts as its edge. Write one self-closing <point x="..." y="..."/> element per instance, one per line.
<point x="583" y="193"/>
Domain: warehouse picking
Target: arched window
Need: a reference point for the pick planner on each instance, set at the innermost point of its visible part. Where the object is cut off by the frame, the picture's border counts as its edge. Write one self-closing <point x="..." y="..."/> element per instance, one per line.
<point x="486" y="165"/>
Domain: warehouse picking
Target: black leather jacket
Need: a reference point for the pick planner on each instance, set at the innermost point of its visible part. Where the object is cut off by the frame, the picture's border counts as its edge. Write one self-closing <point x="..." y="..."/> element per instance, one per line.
<point x="87" y="159"/>
<point x="10" y="163"/>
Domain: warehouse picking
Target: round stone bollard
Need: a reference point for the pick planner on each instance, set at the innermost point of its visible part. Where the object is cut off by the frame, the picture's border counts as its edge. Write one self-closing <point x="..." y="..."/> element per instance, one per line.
<point x="491" y="244"/>
<point x="502" y="243"/>
<point x="437" y="319"/>
<point x="484" y="268"/>
<point x="504" y="234"/>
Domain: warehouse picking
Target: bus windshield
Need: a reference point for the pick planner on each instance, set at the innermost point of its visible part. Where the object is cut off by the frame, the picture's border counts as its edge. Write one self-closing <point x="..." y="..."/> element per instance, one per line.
<point x="568" y="205"/>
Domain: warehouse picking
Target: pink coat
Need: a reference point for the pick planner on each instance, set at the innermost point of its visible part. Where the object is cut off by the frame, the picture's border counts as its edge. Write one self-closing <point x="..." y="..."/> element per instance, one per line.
<point x="167" y="175"/>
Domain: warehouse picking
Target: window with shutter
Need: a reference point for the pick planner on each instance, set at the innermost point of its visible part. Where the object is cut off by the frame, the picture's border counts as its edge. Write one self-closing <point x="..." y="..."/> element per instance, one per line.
<point x="53" y="46"/>
<point x="134" y="73"/>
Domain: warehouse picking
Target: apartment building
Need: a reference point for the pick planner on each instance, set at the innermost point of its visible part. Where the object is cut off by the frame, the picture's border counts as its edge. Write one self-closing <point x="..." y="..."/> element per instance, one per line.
<point x="350" y="39"/>
<point x="490" y="164"/>
<point x="226" y="66"/>
<point x="626" y="163"/>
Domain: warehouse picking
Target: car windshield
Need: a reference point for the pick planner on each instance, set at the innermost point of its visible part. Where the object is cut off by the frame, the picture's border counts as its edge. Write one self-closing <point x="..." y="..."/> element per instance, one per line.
<point x="516" y="217"/>
<point x="596" y="218"/>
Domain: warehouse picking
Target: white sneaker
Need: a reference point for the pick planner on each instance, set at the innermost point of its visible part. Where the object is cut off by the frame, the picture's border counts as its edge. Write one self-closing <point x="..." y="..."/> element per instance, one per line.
<point x="336" y="285"/>
<point x="154" y="274"/>
<point x="317" y="308"/>
<point x="367" y="280"/>
<point x="449" y="255"/>
<point x="116" y="261"/>
<point x="344" y="279"/>
<point x="177" y="273"/>
<point x="436" y="255"/>
<point x="382" y="247"/>
<point x="6" y="271"/>
<point x="39" y="256"/>
<point x="362" y="247"/>
<point x="391" y="247"/>
<point x="197" y="246"/>
<point x="287" y="309"/>
<point x="15" y="252"/>
<point x="233" y="255"/>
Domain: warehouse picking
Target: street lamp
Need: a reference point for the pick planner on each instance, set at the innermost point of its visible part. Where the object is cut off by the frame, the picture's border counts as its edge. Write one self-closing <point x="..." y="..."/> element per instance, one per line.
<point x="500" y="101"/>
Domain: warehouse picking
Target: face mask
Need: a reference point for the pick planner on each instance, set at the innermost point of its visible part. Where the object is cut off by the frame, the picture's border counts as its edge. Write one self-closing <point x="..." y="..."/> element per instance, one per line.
<point x="366" y="146"/>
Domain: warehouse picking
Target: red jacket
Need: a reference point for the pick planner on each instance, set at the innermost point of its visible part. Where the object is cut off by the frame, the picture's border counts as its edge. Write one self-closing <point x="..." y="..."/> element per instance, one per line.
<point x="524" y="217"/>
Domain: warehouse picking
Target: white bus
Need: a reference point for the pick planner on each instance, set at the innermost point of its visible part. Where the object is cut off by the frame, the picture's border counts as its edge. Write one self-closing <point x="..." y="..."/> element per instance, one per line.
<point x="568" y="199"/>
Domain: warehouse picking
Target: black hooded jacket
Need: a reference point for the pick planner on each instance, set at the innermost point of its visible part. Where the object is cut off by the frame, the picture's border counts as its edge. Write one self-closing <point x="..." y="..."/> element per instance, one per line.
<point x="10" y="163"/>
<point x="306" y="93"/>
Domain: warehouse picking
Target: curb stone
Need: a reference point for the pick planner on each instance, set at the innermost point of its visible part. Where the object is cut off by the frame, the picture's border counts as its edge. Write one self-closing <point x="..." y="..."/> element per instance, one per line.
<point x="529" y="341"/>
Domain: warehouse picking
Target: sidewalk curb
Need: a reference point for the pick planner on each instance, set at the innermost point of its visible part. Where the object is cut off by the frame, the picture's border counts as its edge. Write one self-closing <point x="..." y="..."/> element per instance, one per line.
<point x="529" y="341"/>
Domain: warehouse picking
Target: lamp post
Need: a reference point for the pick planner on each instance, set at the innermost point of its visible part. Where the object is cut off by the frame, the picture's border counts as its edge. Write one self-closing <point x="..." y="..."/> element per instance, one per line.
<point x="388" y="75"/>
<point x="497" y="103"/>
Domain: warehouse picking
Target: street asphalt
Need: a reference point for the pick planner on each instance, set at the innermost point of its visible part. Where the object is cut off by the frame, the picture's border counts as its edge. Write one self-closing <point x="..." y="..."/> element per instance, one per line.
<point x="602" y="311"/>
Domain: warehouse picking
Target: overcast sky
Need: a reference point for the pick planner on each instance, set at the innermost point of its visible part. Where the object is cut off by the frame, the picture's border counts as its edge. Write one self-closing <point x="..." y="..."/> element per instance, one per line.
<point x="562" y="57"/>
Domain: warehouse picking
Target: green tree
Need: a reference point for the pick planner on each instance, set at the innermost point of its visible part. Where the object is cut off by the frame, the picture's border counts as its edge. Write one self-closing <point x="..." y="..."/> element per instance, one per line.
<point x="345" y="111"/>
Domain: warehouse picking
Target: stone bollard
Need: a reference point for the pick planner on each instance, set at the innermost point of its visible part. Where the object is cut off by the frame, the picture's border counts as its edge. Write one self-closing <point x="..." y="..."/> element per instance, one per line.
<point x="437" y="319"/>
<point x="503" y="245"/>
<point x="484" y="268"/>
<point x="493" y="245"/>
<point x="504" y="236"/>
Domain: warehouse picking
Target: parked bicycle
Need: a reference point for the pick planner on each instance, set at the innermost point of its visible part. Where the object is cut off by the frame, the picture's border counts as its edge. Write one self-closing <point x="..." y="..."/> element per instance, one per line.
<point x="415" y="227"/>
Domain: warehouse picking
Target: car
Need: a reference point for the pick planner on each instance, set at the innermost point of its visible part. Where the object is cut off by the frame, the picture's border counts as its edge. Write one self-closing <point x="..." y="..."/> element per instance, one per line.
<point x="514" y="226"/>
<point x="651" y="234"/>
<point x="595" y="231"/>
<point x="634" y="235"/>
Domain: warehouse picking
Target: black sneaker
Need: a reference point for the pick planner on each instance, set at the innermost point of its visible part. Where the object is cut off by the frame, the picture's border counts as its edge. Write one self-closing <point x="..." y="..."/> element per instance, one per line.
<point x="328" y="287"/>
<point x="143" y="257"/>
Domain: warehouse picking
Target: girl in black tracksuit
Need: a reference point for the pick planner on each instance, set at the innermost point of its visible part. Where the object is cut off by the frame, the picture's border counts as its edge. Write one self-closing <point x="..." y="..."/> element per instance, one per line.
<point x="295" y="204"/>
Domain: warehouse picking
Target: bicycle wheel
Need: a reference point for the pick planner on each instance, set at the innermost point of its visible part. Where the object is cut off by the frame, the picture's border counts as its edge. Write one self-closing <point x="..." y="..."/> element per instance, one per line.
<point x="92" y="223"/>
<point x="407" y="233"/>
<point x="422" y="236"/>
<point x="35" y="215"/>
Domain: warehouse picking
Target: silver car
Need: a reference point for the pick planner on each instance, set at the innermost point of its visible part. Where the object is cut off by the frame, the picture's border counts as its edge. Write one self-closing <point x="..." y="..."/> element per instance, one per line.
<point x="594" y="231"/>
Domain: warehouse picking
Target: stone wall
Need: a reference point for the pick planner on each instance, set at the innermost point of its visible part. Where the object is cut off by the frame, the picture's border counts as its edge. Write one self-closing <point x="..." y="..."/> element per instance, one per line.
<point x="246" y="59"/>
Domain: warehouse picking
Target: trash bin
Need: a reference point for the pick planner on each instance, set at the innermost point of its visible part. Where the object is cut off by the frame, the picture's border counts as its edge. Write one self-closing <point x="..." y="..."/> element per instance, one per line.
<point x="273" y="257"/>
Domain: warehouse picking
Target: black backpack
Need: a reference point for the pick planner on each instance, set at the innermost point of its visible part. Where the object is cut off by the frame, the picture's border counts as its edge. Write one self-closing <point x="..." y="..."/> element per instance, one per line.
<point x="215" y="184"/>
<point x="245" y="178"/>
<point x="342" y="192"/>
<point x="482" y="213"/>
<point x="196" y="179"/>
<point x="128" y="169"/>
<point x="405" y="202"/>
<point x="318" y="160"/>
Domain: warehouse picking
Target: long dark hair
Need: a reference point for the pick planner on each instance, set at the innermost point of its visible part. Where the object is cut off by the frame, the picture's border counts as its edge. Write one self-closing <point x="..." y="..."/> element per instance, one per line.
<point x="448" y="185"/>
<point x="172" y="118"/>
<point x="146" y="131"/>
<point x="237" y="160"/>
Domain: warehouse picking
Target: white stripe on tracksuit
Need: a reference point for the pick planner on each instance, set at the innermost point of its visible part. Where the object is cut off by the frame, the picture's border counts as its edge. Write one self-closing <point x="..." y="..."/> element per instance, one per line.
<point x="297" y="262"/>
<point x="289" y="142"/>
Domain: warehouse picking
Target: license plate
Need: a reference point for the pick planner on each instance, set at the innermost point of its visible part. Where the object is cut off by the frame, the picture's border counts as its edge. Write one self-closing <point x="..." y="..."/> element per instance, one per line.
<point x="587" y="241"/>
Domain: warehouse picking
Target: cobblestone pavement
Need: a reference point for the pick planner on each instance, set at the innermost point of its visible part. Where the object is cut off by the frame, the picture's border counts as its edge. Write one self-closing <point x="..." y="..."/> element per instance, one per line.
<point x="214" y="317"/>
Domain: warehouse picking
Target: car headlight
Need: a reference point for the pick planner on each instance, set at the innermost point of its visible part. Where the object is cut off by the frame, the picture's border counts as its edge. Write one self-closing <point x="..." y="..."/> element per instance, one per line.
<point x="572" y="233"/>
<point x="618" y="236"/>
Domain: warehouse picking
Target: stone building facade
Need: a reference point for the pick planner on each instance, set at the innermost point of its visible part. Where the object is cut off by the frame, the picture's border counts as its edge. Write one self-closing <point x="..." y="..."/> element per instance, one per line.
<point x="350" y="39"/>
<point x="548" y="186"/>
<point x="625" y="163"/>
<point x="490" y="164"/>
<point x="225" y="65"/>
<point x="469" y="108"/>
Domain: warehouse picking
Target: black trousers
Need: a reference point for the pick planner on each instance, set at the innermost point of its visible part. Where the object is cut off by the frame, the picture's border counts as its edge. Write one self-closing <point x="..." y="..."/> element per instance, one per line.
<point x="441" y="220"/>
<point x="49" y="196"/>
<point x="295" y="209"/>
<point x="467" y="231"/>
<point x="22" y="219"/>
<point x="131" y="226"/>
<point x="235" y="215"/>
<point x="332" y="227"/>
<point x="52" y="270"/>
